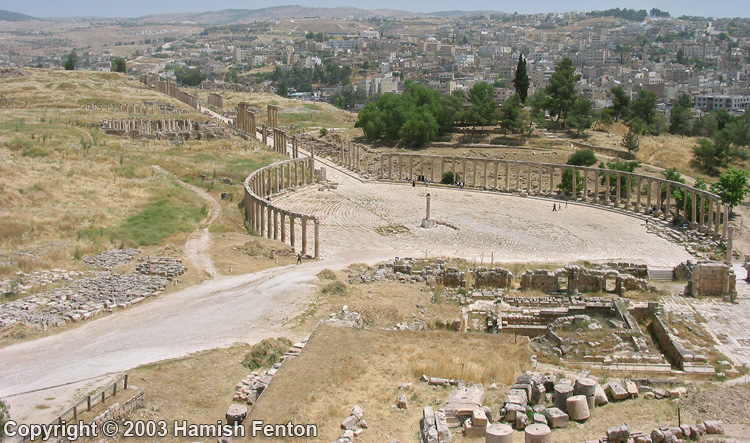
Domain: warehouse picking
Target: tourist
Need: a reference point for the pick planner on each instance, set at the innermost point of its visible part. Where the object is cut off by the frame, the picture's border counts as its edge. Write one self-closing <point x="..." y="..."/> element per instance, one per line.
<point x="299" y="258"/>
<point x="554" y="207"/>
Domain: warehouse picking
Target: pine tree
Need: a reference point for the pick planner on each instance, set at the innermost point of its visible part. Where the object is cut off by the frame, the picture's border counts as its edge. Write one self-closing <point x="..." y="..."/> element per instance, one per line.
<point x="521" y="81"/>
<point x="562" y="88"/>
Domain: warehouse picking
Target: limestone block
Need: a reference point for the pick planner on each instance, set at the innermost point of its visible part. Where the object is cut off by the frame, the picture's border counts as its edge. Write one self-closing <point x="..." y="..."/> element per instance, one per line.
<point x="714" y="427"/>
<point x="556" y="418"/>
<point x="471" y="431"/>
<point x="619" y="433"/>
<point x="357" y="412"/>
<point x="562" y="392"/>
<point x="632" y="388"/>
<point x="522" y="420"/>
<point x="478" y="418"/>
<point x="616" y="391"/>
<point x="349" y="422"/>
<point x="540" y="418"/>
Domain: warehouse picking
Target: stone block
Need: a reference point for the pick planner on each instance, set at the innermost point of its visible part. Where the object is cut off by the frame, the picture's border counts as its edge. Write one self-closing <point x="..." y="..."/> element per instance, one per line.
<point x="616" y="391"/>
<point x="619" y="433"/>
<point x="714" y="426"/>
<point x="471" y="431"/>
<point x="478" y="418"/>
<point x="556" y="418"/>
<point x="600" y="397"/>
<point x="349" y="422"/>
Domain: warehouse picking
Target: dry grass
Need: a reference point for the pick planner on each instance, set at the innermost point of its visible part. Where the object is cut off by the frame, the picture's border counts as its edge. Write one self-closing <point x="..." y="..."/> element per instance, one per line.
<point x="197" y="388"/>
<point x="367" y="369"/>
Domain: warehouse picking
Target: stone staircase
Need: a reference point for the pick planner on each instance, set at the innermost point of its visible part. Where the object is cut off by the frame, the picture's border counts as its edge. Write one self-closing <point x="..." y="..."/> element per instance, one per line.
<point x="660" y="274"/>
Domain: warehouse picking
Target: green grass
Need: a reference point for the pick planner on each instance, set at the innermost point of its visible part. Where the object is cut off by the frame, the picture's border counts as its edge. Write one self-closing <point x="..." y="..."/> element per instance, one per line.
<point x="173" y="212"/>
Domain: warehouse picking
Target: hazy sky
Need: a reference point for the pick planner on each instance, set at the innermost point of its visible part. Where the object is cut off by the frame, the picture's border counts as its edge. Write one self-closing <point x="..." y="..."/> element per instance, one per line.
<point x="134" y="8"/>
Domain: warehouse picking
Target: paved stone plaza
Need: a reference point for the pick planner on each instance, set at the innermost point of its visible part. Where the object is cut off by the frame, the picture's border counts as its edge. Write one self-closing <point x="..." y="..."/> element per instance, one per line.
<point x="728" y="322"/>
<point x="479" y="224"/>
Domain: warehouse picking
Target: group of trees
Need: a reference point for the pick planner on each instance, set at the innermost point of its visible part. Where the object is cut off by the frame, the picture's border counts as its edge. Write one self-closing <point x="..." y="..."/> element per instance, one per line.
<point x="725" y="137"/>
<point x="302" y="79"/>
<point x="627" y="14"/>
<point x="189" y="76"/>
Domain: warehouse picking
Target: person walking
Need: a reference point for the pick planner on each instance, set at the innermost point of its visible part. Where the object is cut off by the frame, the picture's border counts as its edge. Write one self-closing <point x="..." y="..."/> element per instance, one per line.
<point x="554" y="207"/>
<point x="299" y="258"/>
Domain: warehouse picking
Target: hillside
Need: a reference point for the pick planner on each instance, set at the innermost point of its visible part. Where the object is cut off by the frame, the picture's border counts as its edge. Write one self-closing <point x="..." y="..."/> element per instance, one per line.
<point x="10" y="16"/>
<point x="236" y="16"/>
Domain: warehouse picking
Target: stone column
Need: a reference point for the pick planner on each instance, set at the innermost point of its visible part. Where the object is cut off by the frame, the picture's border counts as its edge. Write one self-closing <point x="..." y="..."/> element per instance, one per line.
<point x="628" y="192"/>
<point x="585" y="184"/>
<point x="648" y="194"/>
<point x="710" y="214"/>
<point x="283" y="227"/>
<point x="618" y="177"/>
<point x="304" y="235"/>
<point x="263" y="213"/>
<point x="292" y="235"/>
<point x="507" y="176"/>
<point x="703" y="211"/>
<point x="597" y="199"/>
<point x="695" y="209"/>
<point x="485" y="173"/>
<point x="400" y="164"/>
<point x="608" y="186"/>
<point x="725" y="227"/>
<point x="432" y="169"/>
<point x="442" y="167"/>
<point x="270" y="221"/>
<point x="575" y="184"/>
<point x="518" y="177"/>
<point x="411" y="167"/>
<point x="729" y="234"/>
<point x="275" y="225"/>
<point x="497" y="166"/>
<point x="390" y="167"/>
<point x="668" y="204"/>
<point x="463" y="175"/>
<point x="317" y="238"/>
<point x="638" y="195"/>
<point x="552" y="180"/>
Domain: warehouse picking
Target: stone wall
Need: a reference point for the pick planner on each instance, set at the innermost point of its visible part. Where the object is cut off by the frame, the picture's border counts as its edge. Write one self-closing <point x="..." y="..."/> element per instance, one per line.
<point x="492" y="277"/>
<point x="711" y="278"/>
<point x="672" y="346"/>
<point x="582" y="280"/>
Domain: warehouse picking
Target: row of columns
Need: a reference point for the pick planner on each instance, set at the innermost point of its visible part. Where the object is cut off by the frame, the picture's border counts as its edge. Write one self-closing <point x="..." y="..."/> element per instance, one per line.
<point x="349" y="154"/>
<point x="148" y="126"/>
<point x="621" y="189"/>
<point x="244" y="121"/>
<point x="279" y="141"/>
<point x="270" y="221"/>
<point x="133" y="108"/>
<point x="273" y="116"/>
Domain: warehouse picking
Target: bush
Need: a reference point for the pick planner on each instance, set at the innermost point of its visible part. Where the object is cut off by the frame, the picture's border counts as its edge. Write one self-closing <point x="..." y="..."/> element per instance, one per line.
<point x="266" y="353"/>
<point x="450" y="178"/>
<point x="327" y="274"/>
<point x="583" y="157"/>
<point x="336" y="288"/>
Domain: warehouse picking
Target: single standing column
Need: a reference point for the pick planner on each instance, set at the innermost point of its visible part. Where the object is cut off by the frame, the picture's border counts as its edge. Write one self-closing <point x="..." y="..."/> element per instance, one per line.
<point x="497" y="166"/>
<point x="507" y="176"/>
<point x="381" y="172"/>
<point x="619" y="189"/>
<point x="703" y="211"/>
<point x="400" y="164"/>
<point x="648" y="194"/>
<point x="292" y="235"/>
<point x="724" y="233"/>
<point x="684" y="202"/>
<point x="728" y="235"/>
<point x="710" y="214"/>
<point x="463" y="175"/>
<point x="411" y="167"/>
<point x="475" y="177"/>
<point x="304" y="235"/>
<point x="432" y="169"/>
<point x="638" y="195"/>
<point x="317" y="238"/>
<point x="312" y="171"/>
<point x="270" y="221"/>
<point x="283" y="227"/>
<point x="575" y="184"/>
<point x="485" y="173"/>
<point x="596" y="188"/>
<point x="628" y="194"/>
<point x="695" y="209"/>
<point x="263" y="213"/>
<point x="275" y="224"/>
<point x="608" y="191"/>
<point x="518" y="177"/>
<point x="585" y="184"/>
<point x="668" y="204"/>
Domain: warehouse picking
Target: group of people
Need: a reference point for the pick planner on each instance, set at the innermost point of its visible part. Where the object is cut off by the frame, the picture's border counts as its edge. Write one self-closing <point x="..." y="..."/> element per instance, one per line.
<point x="558" y="206"/>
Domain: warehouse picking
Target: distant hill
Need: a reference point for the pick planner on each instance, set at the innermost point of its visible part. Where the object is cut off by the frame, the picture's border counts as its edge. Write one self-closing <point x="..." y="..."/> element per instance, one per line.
<point x="237" y="16"/>
<point x="9" y="16"/>
<point x="449" y="14"/>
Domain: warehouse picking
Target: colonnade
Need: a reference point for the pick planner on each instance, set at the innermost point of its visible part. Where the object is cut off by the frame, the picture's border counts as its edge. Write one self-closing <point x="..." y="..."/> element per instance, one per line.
<point x="276" y="223"/>
<point x="245" y="120"/>
<point x="623" y="190"/>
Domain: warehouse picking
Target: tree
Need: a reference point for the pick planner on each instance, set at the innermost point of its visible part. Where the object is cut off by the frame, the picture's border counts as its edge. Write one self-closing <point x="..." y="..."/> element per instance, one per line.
<point x="118" y="65"/>
<point x="582" y="115"/>
<point x="189" y="76"/>
<point x="483" y="111"/>
<point x="620" y="103"/>
<point x="511" y="118"/>
<point x="282" y="88"/>
<point x="618" y="166"/>
<point x="562" y="89"/>
<point x="731" y="187"/>
<point x="521" y="81"/>
<point x="539" y="103"/>
<point x="632" y="140"/>
<point x="708" y="154"/>
<point x="583" y="157"/>
<point x="644" y="114"/>
<point x="70" y="61"/>
<point x="681" y="120"/>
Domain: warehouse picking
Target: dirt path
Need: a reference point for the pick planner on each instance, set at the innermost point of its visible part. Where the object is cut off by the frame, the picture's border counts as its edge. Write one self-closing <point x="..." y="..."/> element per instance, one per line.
<point x="198" y="245"/>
